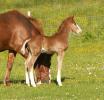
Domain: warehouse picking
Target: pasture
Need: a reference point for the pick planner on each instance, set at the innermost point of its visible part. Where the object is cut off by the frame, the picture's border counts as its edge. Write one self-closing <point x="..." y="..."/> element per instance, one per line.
<point x="83" y="66"/>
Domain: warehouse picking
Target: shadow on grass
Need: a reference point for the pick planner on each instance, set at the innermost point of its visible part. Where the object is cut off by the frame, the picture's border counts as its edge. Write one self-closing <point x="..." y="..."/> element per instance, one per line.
<point x="14" y="82"/>
<point x="23" y="81"/>
<point x="62" y="79"/>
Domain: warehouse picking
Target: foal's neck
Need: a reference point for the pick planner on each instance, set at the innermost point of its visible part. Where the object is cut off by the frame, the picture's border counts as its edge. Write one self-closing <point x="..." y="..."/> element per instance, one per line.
<point x="63" y="31"/>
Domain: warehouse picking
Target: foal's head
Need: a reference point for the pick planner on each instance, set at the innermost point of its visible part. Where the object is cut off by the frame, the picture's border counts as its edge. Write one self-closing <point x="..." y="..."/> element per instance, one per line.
<point x="71" y="24"/>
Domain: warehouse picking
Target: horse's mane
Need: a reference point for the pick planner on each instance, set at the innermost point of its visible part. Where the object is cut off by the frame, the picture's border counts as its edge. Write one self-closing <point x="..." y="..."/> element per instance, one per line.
<point x="64" y="24"/>
<point x="37" y="24"/>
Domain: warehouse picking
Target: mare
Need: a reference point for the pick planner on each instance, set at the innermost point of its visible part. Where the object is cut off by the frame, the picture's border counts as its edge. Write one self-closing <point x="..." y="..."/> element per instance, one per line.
<point x="43" y="60"/>
<point x="58" y="43"/>
<point x="15" y="31"/>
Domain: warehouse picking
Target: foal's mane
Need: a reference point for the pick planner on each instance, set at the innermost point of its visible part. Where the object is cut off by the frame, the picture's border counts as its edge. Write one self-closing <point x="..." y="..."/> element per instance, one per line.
<point x="65" y="24"/>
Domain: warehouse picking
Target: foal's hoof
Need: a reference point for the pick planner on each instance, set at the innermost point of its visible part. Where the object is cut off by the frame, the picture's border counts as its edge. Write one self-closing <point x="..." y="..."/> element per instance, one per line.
<point x="33" y="85"/>
<point x="39" y="83"/>
<point x="28" y="84"/>
<point x="60" y="84"/>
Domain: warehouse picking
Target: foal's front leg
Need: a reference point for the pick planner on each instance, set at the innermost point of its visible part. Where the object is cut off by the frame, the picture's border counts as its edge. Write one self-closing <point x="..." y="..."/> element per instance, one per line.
<point x="60" y="60"/>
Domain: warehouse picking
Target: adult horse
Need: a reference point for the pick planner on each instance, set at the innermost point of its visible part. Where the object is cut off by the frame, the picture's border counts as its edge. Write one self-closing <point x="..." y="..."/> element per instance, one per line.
<point x="58" y="43"/>
<point x="42" y="64"/>
<point x="15" y="31"/>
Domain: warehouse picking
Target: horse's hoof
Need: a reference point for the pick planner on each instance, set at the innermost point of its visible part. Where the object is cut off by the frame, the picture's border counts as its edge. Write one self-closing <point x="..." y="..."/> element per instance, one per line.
<point x="28" y="84"/>
<point x="33" y="85"/>
<point x="39" y="83"/>
<point x="60" y="84"/>
<point x="7" y="83"/>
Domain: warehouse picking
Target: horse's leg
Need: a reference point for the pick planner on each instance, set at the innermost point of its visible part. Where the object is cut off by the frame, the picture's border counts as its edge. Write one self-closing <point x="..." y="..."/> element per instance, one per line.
<point x="60" y="60"/>
<point x="27" y="75"/>
<point x="11" y="56"/>
<point x="29" y="64"/>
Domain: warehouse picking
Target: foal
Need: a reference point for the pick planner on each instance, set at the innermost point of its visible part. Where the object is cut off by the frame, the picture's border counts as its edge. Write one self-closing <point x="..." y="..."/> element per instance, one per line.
<point x="57" y="43"/>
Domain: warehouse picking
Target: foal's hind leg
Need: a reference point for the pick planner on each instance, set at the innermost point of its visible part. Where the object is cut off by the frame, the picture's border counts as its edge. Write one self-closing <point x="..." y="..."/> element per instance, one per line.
<point x="60" y="60"/>
<point x="29" y="65"/>
<point x="11" y="56"/>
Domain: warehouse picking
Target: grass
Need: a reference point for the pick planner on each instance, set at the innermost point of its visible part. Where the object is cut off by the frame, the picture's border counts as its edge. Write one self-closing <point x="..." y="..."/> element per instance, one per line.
<point x="83" y="73"/>
<point x="83" y="66"/>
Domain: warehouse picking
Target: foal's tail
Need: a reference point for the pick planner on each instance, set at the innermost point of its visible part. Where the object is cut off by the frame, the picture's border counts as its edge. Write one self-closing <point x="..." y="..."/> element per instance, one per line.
<point x="24" y="48"/>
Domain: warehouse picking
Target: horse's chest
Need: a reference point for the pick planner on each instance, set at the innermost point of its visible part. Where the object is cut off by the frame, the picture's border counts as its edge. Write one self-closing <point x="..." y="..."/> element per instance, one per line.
<point x="62" y="45"/>
<point x="46" y="50"/>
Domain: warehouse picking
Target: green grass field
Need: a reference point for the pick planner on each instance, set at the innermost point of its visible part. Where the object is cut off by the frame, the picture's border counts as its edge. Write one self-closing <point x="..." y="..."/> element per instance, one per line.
<point x="83" y="66"/>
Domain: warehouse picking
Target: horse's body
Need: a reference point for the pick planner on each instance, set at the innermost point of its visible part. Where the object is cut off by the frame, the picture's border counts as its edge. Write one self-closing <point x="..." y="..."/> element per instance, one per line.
<point x="8" y="32"/>
<point x="57" y="43"/>
<point x="15" y="31"/>
<point x="42" y="64"/>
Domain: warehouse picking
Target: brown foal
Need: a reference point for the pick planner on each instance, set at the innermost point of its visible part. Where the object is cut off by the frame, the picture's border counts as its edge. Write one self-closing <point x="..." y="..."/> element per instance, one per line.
<point x="57" y="43"/>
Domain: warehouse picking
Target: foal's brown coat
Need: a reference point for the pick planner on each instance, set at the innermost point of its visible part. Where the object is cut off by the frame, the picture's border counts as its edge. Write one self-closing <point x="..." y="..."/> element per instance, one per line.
<point x="57" y="43"/>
